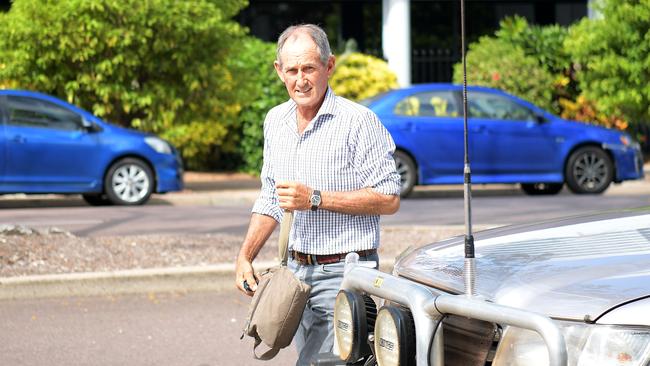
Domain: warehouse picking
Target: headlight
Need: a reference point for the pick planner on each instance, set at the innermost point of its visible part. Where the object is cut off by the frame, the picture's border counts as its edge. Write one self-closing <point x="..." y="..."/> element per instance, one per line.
<point x="354" y="317"/>
<point x="587" y="345"/>
<point x="158" y="144"/>
<point x="628" y="141"/>
<point x="394" y="337"/>
<point x="625" y="140"/>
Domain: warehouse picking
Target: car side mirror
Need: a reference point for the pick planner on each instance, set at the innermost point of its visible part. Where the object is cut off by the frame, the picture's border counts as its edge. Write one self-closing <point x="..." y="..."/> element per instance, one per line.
<point x="91" y="127"/>
<point x="540" y="119"/>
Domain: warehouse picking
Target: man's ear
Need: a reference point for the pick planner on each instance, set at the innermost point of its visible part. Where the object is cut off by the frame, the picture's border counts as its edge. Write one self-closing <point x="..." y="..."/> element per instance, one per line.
<point x="331" y="62"/>
<point x="278" y="70"/>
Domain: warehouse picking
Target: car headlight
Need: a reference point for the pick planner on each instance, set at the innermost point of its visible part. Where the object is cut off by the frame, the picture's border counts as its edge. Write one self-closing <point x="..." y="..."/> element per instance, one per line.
<point x="628" y="141"/>
<point x="158" y="144"/>
<point x="625" y="140"/>
<point x="394" y="337"/>
<point x="587" y="344"/>
<point x="354" y="318"/>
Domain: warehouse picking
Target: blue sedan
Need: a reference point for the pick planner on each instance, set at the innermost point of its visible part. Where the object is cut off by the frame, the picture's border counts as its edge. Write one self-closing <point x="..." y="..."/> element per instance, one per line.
<point x="50" y="146"/>
<point x="511" y="141"/>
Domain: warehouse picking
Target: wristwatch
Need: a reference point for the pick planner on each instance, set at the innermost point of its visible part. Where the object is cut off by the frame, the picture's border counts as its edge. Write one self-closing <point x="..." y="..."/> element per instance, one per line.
<point x="315" y="200"/>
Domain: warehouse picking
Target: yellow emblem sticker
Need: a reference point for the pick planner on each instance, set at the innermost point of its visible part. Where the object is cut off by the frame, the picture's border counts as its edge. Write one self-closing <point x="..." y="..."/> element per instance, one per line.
<point x="379" y="281"/>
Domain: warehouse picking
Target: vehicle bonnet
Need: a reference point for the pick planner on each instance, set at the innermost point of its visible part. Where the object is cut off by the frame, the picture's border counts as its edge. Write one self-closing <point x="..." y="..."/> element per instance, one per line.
<point x="568" y="269"/>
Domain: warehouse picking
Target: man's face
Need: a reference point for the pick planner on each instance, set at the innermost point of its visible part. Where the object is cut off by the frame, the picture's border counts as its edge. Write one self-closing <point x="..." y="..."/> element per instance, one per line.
<point x="302" y="71"/>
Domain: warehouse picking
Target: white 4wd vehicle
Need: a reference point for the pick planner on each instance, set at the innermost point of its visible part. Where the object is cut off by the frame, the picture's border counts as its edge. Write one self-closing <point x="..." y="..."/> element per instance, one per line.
<point x="571" y="292"/>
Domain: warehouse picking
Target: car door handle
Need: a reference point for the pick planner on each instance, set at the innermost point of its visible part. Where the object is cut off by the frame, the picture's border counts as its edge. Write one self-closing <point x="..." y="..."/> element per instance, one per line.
<point x="478" y="129"/>
<point x="19" y="139"/>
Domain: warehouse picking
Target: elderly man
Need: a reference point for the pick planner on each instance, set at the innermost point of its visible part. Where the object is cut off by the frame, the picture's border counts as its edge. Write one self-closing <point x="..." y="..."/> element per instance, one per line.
<point x="330" y="161"/>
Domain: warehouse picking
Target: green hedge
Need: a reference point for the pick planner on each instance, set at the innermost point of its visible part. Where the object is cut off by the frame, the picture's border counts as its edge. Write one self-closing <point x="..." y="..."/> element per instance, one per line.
<point x="611" y="58"/>
<point x="496" y="63"/>
<point x="156" y="65"/>
<point x="265" y="90"/>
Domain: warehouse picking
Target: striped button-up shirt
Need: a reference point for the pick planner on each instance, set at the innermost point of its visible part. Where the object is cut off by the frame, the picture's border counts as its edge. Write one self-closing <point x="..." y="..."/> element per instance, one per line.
<point x="344" y="148"/>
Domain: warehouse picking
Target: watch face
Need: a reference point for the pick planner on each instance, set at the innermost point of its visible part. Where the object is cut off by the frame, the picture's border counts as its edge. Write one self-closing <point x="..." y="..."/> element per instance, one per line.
<point x="315" y="200"/>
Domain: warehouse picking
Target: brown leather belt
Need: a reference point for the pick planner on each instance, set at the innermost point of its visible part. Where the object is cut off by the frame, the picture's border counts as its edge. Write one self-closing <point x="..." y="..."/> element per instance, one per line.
<point x="304" y="258"/>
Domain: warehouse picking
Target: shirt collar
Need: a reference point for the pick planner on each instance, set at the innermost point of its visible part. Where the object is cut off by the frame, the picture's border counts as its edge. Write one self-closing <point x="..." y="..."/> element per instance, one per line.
<point x="327" y="108"/>
<point x="329" y="104"/>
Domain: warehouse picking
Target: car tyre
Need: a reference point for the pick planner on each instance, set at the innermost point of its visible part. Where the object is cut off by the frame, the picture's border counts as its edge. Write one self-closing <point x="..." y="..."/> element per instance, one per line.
<point x="541" y="189"/>
<point x="407" y="172"/>
<point x="96" y="199"/>
<point x="589" y="170"/>
<point x="129" y="182"/>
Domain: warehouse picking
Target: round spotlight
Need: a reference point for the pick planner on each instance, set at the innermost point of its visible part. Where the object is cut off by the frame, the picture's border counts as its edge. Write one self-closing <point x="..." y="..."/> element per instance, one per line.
<point x="354" y="317"/>
<point x="395" y="337"/>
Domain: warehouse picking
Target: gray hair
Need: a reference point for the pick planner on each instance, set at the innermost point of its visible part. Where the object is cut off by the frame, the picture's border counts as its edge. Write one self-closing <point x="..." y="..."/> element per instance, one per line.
<point x="315" y="32"/>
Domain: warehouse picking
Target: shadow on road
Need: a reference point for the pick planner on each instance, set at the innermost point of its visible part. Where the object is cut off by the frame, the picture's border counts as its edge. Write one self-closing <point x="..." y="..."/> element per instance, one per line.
<point x="456" y="191"/>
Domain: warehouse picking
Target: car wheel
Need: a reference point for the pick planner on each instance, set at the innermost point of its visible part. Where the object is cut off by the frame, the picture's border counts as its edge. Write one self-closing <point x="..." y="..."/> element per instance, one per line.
<point x="96" y="199"/>
<point x="407" y="172"/>
<point x="539" y="189"/>
<point x="589" y="170"/>
<point x="129" y="182"/>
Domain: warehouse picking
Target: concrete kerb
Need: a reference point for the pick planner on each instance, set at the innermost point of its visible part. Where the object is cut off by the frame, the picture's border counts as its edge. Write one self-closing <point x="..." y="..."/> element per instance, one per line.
<point x="209" y="278"/>
<point x="181" y="279"/>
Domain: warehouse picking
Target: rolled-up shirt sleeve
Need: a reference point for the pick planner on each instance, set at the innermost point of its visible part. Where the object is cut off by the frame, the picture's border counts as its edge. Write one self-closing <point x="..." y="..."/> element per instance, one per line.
<point x="373" y="156"/>
<point x="267" y="203"/>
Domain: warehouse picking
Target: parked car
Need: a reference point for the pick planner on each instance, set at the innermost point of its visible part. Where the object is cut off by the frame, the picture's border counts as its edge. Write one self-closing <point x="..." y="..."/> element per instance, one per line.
<point x="569" y="292"/>
<point x="50" y="146"/>
<point x="511" y="141"/>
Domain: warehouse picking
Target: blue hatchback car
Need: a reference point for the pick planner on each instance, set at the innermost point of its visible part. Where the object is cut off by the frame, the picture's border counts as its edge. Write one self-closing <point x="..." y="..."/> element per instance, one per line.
<point x="50" y="146"/>
<point x="511" y="141"/>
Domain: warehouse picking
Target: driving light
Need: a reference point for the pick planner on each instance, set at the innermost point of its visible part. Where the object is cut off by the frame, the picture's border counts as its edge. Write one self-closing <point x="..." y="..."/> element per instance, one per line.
<point x="159" y="145"/>
<point x="394" y="337"/>
<point x="354" y="317"/>
<point x="587" y="344"/>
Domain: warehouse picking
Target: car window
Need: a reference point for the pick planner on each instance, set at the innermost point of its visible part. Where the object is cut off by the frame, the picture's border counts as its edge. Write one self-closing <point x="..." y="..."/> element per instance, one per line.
<point x="492" y="106"/>
<point x="33" y="112"/>
<point x="368" y="101"/>
<point x="428" y="104"/>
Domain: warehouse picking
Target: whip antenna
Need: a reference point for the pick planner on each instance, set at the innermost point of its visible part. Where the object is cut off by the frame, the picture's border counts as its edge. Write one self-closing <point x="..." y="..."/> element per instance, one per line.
<point x="470" y="266"/>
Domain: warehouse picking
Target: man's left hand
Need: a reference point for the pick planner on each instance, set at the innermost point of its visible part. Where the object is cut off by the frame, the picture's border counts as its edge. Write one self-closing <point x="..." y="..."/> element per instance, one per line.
<point x="294" y="196"/>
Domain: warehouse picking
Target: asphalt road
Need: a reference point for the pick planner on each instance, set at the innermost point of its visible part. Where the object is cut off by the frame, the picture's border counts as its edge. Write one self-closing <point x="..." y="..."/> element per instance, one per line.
<point x="490" y="207"/>
<point x="192" y="329"/>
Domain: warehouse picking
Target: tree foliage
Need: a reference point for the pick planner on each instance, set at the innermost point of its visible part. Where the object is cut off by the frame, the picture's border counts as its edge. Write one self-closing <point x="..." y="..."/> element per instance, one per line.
<point x="544" y="43"/>
<point x="157" y="65"/>
<point x="497" y="63"/>
<point x="612" y="56"/>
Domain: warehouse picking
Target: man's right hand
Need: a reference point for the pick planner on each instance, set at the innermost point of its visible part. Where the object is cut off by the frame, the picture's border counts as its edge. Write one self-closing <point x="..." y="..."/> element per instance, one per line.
<point x="259" y="230"/>
<point x="244" y="272"/>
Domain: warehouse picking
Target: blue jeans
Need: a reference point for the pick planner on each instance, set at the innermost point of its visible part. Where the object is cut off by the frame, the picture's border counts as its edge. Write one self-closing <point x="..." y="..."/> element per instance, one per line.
<point x="316" y="333"/>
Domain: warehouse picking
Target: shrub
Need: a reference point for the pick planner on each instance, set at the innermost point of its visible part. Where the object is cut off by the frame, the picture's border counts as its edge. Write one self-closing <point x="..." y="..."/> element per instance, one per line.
<point x="358" y="76"/>
<point x="611" y="55"/>
<point x="544" y="43"/>
<point x="157" y="65"/>
<point x="586" y="111"/>
<point x="499" y="64"/>
<point x="265" y="90"/>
